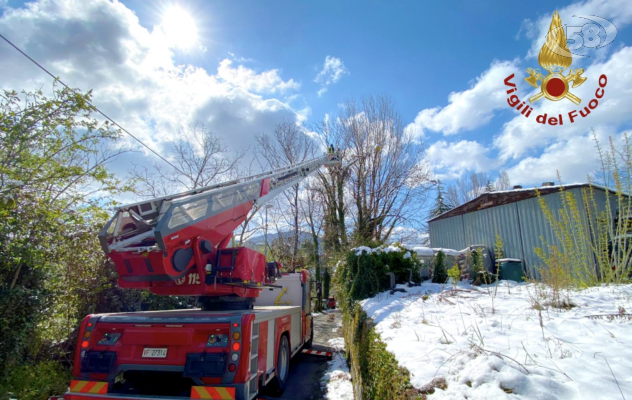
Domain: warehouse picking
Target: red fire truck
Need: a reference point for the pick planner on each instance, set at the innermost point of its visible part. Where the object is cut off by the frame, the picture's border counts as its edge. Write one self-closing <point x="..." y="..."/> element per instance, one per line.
<point x="253" y="318"/>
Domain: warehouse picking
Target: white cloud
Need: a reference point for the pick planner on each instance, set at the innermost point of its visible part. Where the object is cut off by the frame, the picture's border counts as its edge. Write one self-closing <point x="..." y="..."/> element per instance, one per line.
<point x="573" y="158"/>
<point x="528" y="28"/>
<point x="101" y="45"/>
<point x="265" y="82"/>
<point x="618" y="12"/>
<point x="470" y="108"/>
<point x="451" y="160"/>
<point x="533" y="152"/>
<point x="521" y="136"/>
<point x="332" y="72"/>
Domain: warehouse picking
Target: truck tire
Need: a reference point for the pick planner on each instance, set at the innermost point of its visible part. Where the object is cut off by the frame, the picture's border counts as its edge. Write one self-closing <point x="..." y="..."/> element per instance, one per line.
<point x="309" y="343"/>
<point x="279" y="382"/>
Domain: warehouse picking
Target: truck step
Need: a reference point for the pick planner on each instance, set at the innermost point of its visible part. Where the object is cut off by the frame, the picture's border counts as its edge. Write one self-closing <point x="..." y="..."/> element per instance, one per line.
<point x="318" y="353"/>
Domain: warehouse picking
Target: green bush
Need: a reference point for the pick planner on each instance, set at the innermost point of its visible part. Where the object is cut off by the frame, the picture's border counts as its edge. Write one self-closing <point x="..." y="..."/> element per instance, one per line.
<point x="36" y="381"/>
<point x="363" y="273"/>
<point x="455" y="274"/>
<point x="476" y="265"/>
<point x="439" y="274"/>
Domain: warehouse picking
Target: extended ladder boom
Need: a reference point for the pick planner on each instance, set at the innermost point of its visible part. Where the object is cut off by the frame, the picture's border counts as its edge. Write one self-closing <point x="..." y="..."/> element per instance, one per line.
<point x="160" y="239"/>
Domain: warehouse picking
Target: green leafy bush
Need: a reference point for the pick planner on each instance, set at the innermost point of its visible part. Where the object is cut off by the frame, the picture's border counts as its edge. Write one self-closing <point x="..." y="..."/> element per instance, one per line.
<point x="363" y="273"/>
<point x="476" y="265"/>
<point x="439" y="274"/>
<point x="455" y="274"/>
<point x="35" y="381"/>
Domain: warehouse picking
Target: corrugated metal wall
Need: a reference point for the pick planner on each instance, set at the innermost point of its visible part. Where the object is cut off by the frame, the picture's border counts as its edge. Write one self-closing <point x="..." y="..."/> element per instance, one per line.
<point x="535" y="230"/>
<point x="448" y="233"/>
<point x="506" y="225"/>
<point x="521" y="225"/>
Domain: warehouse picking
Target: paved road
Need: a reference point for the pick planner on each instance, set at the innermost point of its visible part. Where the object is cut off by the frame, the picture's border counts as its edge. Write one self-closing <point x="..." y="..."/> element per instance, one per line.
<point x="306" y="372"/>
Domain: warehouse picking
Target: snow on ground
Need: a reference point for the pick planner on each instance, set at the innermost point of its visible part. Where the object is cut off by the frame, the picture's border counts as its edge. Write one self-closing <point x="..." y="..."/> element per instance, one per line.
<point x="337" y="379"/>
<point x="490" y="346"/>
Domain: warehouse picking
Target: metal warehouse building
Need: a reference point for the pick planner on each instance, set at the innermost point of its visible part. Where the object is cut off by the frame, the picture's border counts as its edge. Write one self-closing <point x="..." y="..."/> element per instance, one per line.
<point x="515" y="215"/>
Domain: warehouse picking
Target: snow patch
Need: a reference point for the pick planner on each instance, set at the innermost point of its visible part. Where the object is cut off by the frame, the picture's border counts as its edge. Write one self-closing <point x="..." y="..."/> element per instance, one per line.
<point x="490" y="346"/>
<point x="337" y="379"/>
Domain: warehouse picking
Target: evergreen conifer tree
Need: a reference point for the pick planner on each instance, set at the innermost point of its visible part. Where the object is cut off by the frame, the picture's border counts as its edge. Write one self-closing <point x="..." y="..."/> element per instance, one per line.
<point x="440" y="204"/>
<point x="439" y="274"/>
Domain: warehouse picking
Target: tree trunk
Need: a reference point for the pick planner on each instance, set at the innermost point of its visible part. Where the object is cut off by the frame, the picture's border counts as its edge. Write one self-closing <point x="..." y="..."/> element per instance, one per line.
<point x="295" y="249"/>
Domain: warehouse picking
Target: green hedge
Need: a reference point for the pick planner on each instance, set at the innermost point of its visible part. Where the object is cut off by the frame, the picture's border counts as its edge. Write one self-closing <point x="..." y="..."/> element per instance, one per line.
<point x="375" y="371"/>
<point x="363" y="273"/>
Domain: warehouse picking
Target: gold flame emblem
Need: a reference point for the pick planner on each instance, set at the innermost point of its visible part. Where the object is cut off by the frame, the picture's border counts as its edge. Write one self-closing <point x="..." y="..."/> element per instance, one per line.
<point x="555" y="58"/>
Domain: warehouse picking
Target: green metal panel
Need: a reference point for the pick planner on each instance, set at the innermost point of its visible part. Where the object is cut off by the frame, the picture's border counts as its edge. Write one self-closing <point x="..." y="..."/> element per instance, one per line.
<point x="478" y="228"/>
<point x="521" y="225"/>
<point x="447" y="233"/>
<point x="505" y="222"/>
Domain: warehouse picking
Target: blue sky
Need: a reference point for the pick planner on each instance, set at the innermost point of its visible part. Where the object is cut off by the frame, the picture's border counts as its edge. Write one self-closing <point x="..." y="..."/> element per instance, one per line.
<point x="256" y="62"/>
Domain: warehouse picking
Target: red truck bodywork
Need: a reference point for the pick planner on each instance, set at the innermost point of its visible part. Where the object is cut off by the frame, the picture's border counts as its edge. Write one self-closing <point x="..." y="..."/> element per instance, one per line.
<point x="177" y="245"/>
<point x="189" y="357"/>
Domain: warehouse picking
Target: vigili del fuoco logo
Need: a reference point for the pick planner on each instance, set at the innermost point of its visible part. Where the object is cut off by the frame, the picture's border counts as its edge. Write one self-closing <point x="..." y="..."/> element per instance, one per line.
<point x="555" y="57"/>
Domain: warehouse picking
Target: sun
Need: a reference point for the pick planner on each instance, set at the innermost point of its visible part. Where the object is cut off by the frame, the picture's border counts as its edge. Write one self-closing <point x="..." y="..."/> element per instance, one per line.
<point x="179" y="28"/>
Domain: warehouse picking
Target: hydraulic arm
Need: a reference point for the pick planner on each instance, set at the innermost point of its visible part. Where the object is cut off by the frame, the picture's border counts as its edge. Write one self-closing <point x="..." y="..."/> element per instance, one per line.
<point x="177" y="245"/>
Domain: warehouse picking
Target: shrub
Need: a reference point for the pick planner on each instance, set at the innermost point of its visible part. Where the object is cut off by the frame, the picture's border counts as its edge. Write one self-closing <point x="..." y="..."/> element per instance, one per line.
<point x="455" y="274"/>
<point x="36" y="381"/>
<point x="476" y="266"/>
<point x="363" y="273"/>
<point x="593" y="245"/>
<point x="439" y="274"/>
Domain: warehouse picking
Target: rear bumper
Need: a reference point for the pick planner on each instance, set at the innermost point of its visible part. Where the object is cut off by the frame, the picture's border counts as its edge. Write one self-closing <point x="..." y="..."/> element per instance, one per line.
<point x="86" y="396"/>
<point x="238" y="394"/>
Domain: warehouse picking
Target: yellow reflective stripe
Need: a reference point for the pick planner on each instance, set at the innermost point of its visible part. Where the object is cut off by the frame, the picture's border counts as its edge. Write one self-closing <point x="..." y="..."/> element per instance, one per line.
<point x="78" y="385"/>
<point x="224" y="393"/>
<point x="97" y="387"/>
<point x="201" y="393"/>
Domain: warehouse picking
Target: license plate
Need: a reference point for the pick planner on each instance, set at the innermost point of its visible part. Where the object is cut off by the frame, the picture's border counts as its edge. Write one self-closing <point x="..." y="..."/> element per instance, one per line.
<point x="149" y="352"/>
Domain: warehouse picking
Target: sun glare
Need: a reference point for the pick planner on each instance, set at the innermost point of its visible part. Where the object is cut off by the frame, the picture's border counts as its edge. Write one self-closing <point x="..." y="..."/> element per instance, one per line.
<point x="179" y="28"/>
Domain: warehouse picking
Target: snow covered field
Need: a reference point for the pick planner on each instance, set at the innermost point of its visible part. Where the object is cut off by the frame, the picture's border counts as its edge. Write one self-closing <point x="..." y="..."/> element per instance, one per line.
<point x="486" y="346"/>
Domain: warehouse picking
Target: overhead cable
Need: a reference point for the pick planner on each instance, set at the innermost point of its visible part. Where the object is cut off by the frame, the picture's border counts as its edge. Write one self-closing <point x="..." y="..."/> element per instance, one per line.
<point x="95" y="107"/>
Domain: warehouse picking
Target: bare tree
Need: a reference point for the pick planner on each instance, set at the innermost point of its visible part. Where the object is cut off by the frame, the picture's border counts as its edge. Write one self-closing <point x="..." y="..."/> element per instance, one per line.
<point x="468" y="188"/>
<point x="201" y="157"/>
<point x="453" y="196"/>
<point x="503" y="182"/>
<point x="473" y="185"/>
<point x="312" y="211"/>
<point x="389" y="177"/>
<point x="287" y="145"/>
<point x="332" y="185"/>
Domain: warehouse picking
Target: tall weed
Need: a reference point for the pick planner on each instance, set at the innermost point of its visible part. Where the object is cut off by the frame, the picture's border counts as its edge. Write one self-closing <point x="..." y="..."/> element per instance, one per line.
<point x="594" y="231"/>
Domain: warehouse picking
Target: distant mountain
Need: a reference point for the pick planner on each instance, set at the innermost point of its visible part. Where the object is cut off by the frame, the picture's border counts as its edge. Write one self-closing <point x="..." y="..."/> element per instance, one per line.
<point x="260" y="240"/>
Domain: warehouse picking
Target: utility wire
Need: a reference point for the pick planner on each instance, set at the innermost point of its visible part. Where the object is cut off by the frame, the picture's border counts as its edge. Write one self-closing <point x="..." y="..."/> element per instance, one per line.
<point x="95" y="107"/>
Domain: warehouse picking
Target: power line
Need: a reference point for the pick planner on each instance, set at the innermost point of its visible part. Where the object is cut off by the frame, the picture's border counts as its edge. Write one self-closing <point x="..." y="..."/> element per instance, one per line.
<point x="95" y="107"/>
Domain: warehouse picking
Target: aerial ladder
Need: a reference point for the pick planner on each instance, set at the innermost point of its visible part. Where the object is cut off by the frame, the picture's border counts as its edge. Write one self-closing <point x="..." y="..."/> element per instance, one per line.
<point x="155" y="244"/>
<point x="253" y="319"/>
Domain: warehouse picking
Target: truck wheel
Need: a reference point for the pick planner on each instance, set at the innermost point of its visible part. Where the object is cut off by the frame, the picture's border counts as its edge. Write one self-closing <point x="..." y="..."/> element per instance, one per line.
<point x="309" y="343"/>
<point x="279" y="382"/>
